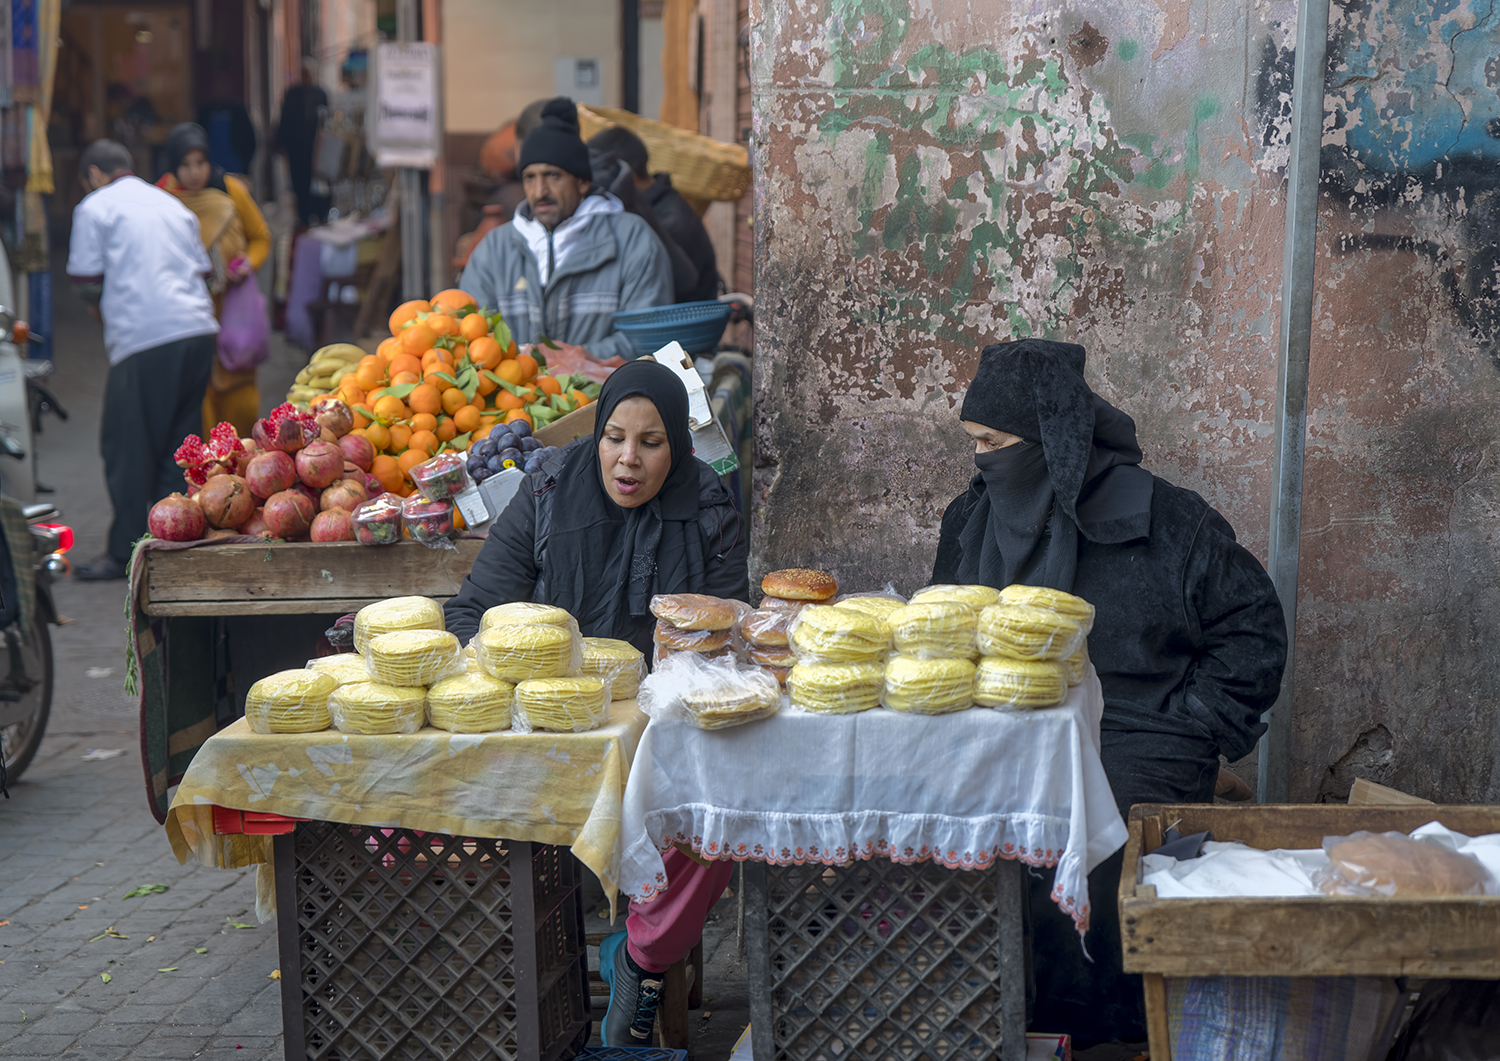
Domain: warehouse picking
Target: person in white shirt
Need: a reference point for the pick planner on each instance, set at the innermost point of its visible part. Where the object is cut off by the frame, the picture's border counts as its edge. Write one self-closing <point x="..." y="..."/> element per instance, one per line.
<point x="137" y="259"/>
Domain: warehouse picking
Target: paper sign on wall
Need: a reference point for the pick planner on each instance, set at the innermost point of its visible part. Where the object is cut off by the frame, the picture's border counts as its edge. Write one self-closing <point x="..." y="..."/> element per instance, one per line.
<point x="405" y="121"/>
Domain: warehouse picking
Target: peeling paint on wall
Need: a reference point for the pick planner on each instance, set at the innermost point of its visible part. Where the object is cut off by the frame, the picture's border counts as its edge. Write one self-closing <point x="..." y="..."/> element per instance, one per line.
<point x="936" y="175"/>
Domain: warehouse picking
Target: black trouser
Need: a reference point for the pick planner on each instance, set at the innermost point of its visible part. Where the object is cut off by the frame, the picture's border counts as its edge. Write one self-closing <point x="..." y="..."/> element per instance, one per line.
<point x="152" y="401"/>
<point x="1097" y="1001"/>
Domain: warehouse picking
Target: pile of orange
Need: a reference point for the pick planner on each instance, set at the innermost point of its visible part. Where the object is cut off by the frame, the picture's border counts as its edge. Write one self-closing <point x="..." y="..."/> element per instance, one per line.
<point x="447" y="375"/>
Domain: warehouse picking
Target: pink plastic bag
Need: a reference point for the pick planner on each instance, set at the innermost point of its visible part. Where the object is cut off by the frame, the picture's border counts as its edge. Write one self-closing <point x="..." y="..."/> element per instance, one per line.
<point x="244" y="329"/>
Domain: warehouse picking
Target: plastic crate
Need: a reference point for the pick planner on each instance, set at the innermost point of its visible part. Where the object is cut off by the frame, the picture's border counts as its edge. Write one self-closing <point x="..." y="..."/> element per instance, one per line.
<point x="632" y="1053"/>
<point x="881" y="961"/>
<point x="407" y="946"/>
<point x="696" y="325"/>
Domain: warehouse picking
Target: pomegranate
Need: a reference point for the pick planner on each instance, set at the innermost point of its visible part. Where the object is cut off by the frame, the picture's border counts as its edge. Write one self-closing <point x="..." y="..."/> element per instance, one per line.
<point x="333" y="525"/>
<point x="346" y="494"/>
<point x="200" y="461"/>
<point x="256" y="525"/>
<point x="373" y="486"/>
<point x="307" y="492"/>
<point x="319" y="463"/>
<point x="335" y="416"/>
<point x="176" y="519"/>
<point x="285" y="429"/>
<point x="270" y="473"/>
<point x="289" y="515"/>
<point x="226" y="501"/>
<point x="358" y="450"/>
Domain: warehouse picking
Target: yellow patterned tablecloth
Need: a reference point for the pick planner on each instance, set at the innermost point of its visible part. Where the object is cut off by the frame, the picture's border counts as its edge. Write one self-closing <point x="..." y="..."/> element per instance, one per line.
<point x="552" y="788"/>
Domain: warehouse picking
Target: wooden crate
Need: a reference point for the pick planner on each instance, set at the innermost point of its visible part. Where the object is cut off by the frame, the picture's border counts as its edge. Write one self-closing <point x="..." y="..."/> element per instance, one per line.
<point x="1449" y="936"/>
<point x="299" y="578"/>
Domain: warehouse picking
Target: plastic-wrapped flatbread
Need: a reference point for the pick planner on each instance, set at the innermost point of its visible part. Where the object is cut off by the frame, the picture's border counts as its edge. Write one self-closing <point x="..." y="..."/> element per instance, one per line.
<point x="471" y="702"/>
<point x="934" y="630"/>
<point x="928" y="686"/>
<point x="619" y="664"/>
<point x="376" y="709"/>
<point x="1020" y="631"/>
<point x="413" y="657"/>
<point x="290" y="701"/>
<point x="397" y="613"/>
<point x="827" y="634"/>
<point x="560" y="705"/>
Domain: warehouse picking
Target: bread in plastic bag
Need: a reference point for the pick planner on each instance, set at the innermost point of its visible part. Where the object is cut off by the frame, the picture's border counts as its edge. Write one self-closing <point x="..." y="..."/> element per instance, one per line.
<point x="781" y="604"/>
<point x="928" y="686"/>
<point x="413" y="657"/>
<point x="697" y="611"/>
<point x="342" y="667"/>
<point x="934" y="630"/>
<point x="836" y="688"/>
<point x="397" y="613"/>
<point x="659" y="653"/>
<point x="560" y="705"/>
<point x="680" y="640"/>
<point x="876" y="605"/>
<point x="1076" y="666"/>
<point x="1054" y="600"/>
<point x="823" y="633"/>
<point x="518" y="651"/>
<point x="771" y="657"/>
<point x="1392" y="864"/>
<point x="290" y="701"/>
<point x="975" y="597"/>
<point x="781" y="674"/>
<point x="373" y="708"/>
<point x="1019" y="684"/>
<point x="713" y="694"/>
<point x="766" y="628"/>
<point x="619" y="664"/>
<point x="800" y="583"/>
<point x="471" y="702"/>
<point x="1020" y="631"/>
<point x="527" y="612"/>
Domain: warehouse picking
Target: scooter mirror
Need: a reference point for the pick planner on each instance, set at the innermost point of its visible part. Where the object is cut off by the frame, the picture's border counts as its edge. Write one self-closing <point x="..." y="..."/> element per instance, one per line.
<point x="7" y="319"/>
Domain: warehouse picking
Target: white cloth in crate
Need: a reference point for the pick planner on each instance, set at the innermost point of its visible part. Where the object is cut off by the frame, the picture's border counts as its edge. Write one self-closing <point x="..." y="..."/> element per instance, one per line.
<point x="961" y="789"/>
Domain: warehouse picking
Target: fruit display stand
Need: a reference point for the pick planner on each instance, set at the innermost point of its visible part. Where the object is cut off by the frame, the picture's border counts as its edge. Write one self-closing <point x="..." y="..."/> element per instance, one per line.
<point x="208" y="618"/>
<point x="885" y="917"/>
<point x="427" y="886"/>
<point x="1169" y="939"/>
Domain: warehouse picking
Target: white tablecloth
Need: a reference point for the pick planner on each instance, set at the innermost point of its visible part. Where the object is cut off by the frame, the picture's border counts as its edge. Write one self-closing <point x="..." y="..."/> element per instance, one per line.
<point x="961" y="789"/>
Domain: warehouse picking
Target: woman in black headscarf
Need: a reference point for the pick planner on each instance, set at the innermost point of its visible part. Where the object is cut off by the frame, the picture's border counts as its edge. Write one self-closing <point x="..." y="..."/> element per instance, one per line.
<point x="608" y="523"/>
<point x="1189" y="640"/>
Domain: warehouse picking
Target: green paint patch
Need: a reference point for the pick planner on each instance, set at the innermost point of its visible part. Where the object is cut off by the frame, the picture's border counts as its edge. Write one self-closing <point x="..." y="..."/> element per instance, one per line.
<point x="1128" y="50"/>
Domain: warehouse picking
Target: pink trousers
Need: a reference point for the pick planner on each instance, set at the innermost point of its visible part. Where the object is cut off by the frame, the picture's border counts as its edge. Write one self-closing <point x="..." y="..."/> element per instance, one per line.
<point x="662" y="932"/>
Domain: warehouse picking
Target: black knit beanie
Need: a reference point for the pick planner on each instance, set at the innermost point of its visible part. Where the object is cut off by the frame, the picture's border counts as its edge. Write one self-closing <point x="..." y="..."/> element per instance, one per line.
<point x="556" y="141"/>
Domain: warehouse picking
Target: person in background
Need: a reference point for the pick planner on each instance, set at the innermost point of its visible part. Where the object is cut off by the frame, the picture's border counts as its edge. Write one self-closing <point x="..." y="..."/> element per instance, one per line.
<point x="231" y="134"/>
<point x="238" y="242"/>
<point x="612" y="520"/>
<point x="571" y="257"/>
<point x="675" y="219"/>
<point x="302" y="109"/>
<point x="1189" y="639"/>
<point x="136" y="258"/>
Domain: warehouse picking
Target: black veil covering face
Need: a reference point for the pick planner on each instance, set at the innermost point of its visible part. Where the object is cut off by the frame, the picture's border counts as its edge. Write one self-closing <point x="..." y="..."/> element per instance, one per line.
<point x="1077" y="472"/>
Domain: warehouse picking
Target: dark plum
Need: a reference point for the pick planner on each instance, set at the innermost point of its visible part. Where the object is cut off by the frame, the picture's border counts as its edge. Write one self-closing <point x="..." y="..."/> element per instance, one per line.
<point x="494" y="464"/>
<point x="484" y="449"/>
<point x="521" y="429"/>
<point x="530" y="445"/>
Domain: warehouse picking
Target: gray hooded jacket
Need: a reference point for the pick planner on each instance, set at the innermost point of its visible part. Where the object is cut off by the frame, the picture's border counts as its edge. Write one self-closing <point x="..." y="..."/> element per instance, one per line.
<point x="617" y="263"/>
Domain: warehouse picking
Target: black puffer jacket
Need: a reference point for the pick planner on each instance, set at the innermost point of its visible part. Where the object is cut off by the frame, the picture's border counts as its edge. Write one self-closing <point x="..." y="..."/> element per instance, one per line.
<point x="509" y="567"/>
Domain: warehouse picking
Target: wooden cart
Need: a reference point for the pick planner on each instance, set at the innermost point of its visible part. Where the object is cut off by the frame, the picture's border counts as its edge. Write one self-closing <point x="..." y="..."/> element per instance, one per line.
<point x="1449" y="936"/>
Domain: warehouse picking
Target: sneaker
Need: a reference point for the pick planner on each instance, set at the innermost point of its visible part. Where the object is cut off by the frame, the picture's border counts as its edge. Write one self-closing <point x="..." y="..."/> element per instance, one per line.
<point x="634" y="995"/>
<point x="101" y="568"/>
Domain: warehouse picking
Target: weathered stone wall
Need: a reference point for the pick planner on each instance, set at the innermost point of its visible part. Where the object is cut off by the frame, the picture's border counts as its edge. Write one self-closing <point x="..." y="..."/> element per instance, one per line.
<point x="935" y="175"/>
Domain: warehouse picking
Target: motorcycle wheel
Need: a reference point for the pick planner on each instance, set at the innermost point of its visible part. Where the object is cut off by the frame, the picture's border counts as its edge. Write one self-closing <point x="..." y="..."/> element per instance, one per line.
<point x="20" y="741"/>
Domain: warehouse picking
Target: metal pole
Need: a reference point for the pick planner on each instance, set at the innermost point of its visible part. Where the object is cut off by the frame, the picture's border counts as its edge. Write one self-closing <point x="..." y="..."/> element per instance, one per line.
<point x="630" y="48"/>
<point x="1298" y="260"/>
<point x="409" y="182"/>
<point x="437" y="235"/>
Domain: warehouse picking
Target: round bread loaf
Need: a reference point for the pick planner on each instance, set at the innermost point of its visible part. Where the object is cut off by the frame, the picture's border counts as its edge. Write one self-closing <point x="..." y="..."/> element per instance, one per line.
<point x="619" y="664"/>
<point x="1019" y="684"/>
<point x="1391" y="864"/>
<point x="836" y="688"/>
<point x="779" y="673"/>
<point x="799" y="583"/>
<point x="515" y="652"/>
<point x="406" y="658"/>
<point x="781" y="604"/>
<point x="934" y="630"/>
<point x="679" y="640"/>
<point x="527" y="612"/>
<point x="975" y="597"/>
<point x="472" y="702"/>
<point x="1054" y="600"/>
<point x="1020" y="631"/>
<point x="766" y="628"/>
<point x="694" y="611"/>
<point x="290" y="701"/>
<point x="343" y="668"/>
<point x="561" y="705"/>
<point x="825" y="634"/>
<point x="928" y="686"/>
<point x="373" y="708"/>
<point x="397" y="613"/>
<point x="771" y="657"/>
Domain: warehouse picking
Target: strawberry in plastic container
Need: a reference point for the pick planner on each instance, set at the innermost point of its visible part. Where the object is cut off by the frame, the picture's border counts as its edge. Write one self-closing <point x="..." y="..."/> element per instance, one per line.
<point x="428" y="522"/>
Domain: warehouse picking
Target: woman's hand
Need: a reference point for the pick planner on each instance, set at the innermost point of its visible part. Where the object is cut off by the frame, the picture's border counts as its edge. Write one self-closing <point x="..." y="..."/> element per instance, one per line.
<point x="239" y="269"/>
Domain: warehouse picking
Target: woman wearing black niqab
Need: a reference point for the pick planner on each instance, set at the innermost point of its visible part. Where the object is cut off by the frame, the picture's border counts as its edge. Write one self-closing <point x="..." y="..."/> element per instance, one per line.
<point x="1189" y="640"/>
<point x="605" y="525"/>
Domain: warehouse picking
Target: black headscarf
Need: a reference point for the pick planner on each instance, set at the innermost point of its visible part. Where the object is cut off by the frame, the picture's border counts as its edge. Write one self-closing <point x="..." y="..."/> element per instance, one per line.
<point x="603" y="563"/>
<point x="1077" y="472"/>
<point x="190" y="136"/>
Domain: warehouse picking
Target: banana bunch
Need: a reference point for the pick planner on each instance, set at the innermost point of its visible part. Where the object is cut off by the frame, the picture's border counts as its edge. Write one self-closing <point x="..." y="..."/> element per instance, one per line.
<point x="323" y="372"/>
